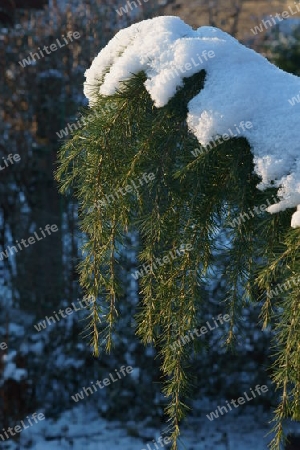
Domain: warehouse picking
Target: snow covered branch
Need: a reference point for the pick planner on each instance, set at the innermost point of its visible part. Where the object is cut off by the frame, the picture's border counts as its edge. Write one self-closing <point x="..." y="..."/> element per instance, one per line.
<point x="240" y="85"/>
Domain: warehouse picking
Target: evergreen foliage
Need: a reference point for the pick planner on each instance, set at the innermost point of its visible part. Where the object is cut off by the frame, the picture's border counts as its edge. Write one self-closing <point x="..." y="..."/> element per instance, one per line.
<point x="188" y="201"/>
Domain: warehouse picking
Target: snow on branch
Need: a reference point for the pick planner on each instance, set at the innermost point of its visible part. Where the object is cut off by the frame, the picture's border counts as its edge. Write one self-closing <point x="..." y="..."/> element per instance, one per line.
<point x="240" y="86"/>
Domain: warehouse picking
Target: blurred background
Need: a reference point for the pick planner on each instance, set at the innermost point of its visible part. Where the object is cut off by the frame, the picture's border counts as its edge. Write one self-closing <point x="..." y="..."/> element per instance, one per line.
<point x="40" y="370"/>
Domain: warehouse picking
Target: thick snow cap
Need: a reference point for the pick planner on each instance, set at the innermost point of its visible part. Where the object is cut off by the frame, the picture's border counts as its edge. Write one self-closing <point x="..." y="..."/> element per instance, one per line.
<point x="241" y="87"/>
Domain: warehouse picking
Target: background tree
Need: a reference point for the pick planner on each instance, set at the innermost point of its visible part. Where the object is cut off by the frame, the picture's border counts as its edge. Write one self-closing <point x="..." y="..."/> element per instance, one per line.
<point x="37" y="102"/>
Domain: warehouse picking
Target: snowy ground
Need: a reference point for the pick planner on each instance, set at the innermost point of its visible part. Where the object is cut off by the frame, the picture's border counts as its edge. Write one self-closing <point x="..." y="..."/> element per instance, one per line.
<point x="83" y="429"/>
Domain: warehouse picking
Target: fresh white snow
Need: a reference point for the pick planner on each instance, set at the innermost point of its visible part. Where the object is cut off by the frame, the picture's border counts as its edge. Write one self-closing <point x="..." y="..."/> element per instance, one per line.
<point x="295" y="223"/>
<point x="241" y="86"/>
<point x="82" y="428"/>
